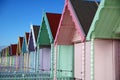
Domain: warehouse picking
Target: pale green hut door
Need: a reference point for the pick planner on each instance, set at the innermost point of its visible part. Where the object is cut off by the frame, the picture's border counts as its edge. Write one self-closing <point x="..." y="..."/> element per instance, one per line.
<point x="65" y="61"/>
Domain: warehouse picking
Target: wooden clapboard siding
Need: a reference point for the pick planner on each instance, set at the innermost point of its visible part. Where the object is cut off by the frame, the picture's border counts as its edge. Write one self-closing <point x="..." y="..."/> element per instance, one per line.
<point x="117" y="59"/>
<point x="65" y="61"/>
<point x="79" y="60"/>
<point x="104" y="51"/>
<point x="32" y="61"/>
<point x="45" y="59"/>
<point x="87" y="60"/>
<point x="25" y="61"/>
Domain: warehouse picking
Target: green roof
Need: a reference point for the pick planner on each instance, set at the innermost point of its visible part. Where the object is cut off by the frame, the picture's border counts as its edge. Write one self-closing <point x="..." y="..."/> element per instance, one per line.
<point x="44" y="38"/>
<point x="106" y="23"/>
<point x="48" y="28"/>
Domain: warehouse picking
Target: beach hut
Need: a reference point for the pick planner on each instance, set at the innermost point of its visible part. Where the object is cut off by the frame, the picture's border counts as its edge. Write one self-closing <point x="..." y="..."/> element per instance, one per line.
<point x="70" y="39"/>
<point x="3" y="56"/>
<point x="13" y="49"/>
<point x="45" y="41"/>
<point x="32" y="41"/>
<point x="6" y="52"/>
<point x="25" y="51"/>
<point x="19" y="59"/>
<point x="105" y="41"/>
<point x="10" y="55"/>
<point x="7" y="56"/>
<point x="0" y="56"/>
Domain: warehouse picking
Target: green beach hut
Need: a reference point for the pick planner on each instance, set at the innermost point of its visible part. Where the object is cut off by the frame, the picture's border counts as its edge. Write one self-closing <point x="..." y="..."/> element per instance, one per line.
<point x="105" y="41"/>
<point x="45" y="41"/>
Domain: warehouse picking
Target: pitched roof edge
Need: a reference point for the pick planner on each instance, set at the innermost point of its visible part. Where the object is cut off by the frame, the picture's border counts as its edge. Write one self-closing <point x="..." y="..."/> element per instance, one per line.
<point x="33" y="35"/>
<point x="48" y="28"/>
<point x="76" y="21"/>
<point x="96" y="17"/>
<point x="55" y="40"/>
<point x="40" y="28"/>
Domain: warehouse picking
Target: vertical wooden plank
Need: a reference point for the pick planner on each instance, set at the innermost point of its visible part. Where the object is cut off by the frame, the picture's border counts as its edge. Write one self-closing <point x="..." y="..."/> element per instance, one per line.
<point x="24" y="61"/>
<point x="92" y="60"/>
<point x="32" y="61"/>
<point x="78" y="61"/>
<point x="40" y="59"/>
<point x="103" y="63"/>
<point x="52" y="61"/>
<point x="66" y="61"/>
<point x="87" y="60"/>
<point x="55" y="62"/>
<point x="27" y="62"/>
<point x="117" y="59"/>
<point x="46" y="58"/>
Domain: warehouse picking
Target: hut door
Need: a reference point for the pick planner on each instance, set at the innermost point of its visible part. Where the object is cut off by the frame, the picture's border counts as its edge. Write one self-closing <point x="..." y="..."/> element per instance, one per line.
<point x="79" y="61"/>
<point x="45" y="58"/>
<point x="87" y="60"/>
<point x="32" y="61"/>
<point x="65" y="62"/>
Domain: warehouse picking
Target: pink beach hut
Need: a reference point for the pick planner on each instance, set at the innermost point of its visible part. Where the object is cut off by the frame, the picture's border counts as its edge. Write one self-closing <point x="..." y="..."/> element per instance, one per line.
<point x="70" y="39"/>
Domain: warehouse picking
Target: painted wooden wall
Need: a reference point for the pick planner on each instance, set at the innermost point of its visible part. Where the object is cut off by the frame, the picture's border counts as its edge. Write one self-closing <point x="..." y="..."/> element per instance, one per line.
<point x="10" y="60"/>
<point x="45" y="59"/>
<point x="104" y="59"/>
<point x="4" y="60"/>
<point x="18" y="60"/>
<point x="78" y="60"/>
<point x="65" y="61"/>
<point x="117" y="59"/>
<point x="32" y="61"/>
<point x="14" y="60"/>
<point x="25" y="61"/>
<point x="87" y="60"/>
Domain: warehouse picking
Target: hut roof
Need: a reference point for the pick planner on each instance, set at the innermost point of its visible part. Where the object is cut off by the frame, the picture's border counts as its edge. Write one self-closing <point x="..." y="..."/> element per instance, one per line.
<point x="13" y="49"/>
<point x="25" y="43"/>
<point x="33" y="37"/>
<point x="48" y="28"/>
<point x="75" y="21"/>
<point x="106" y="23"/>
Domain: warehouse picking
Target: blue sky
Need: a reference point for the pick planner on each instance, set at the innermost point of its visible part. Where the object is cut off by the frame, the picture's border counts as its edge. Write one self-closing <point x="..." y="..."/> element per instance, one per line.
<point x="17" y="15"/>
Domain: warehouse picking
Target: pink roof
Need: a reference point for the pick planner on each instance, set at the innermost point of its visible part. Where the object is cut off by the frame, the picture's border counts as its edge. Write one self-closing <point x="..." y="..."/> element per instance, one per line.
<point x="69" y="27"/>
